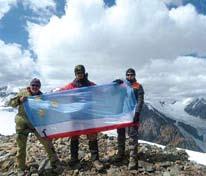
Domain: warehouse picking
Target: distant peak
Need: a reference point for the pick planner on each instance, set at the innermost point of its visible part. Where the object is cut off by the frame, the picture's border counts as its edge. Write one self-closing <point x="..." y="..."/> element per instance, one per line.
<point x="3" y="88"/>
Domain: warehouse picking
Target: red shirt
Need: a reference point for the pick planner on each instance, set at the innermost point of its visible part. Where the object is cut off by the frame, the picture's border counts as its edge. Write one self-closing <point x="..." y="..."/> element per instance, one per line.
<point x="72" y="85"/>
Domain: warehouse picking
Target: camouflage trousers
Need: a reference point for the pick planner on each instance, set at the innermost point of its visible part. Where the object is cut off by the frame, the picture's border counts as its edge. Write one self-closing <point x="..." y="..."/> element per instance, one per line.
<point x="133" y="141"/>
<point x="23" y="128"/>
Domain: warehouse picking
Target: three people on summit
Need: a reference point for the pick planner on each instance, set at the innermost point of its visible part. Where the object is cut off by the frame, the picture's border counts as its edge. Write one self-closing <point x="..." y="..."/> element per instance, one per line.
<point x="23" y="126"/>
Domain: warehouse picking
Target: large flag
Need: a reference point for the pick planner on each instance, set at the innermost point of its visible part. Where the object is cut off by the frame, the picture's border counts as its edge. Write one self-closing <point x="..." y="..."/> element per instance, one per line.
<point x="82" y="111"/>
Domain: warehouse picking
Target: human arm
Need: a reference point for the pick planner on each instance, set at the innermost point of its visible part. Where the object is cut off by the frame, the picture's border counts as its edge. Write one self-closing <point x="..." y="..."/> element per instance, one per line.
<point x="17" y="100"/>
<point x="66" y="87"/>
<point x="139" y="94"/>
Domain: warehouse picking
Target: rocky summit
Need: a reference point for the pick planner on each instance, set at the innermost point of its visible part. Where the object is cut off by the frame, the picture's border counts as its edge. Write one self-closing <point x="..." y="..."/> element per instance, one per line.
<point x="153" y="161"/>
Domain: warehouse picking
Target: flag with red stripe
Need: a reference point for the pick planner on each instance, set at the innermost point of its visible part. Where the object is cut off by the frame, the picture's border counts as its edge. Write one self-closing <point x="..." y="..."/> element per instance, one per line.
<point x="82" y="111"/>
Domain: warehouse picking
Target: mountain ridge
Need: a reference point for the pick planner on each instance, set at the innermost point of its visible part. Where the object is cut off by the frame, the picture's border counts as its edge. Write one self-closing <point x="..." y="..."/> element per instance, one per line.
<point x="163" y="122"/>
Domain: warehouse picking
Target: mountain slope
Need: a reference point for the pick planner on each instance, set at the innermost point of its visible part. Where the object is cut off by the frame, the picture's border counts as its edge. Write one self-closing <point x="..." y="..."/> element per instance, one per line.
<point x="157" y="127"/>
<point x="197" y="108"/>
<point x="5" y="95"/>
<point x="163" y="122"/>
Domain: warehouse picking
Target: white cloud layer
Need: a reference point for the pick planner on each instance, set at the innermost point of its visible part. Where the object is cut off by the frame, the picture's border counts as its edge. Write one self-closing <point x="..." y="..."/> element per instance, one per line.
<point x="17" y="67"/>
<point x="5" y="6"/>
<point x="134" y="33"/>
<point x="182" y="77"/>
<point x="39" y="5"/>
<point x="43" y="10"/>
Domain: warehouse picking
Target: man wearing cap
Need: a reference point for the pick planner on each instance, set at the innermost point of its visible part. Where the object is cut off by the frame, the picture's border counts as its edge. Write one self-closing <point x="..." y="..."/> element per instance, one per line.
<point x="23" y="128"/>
<point x="132" y="131"/>
<point x="81" y="80"/>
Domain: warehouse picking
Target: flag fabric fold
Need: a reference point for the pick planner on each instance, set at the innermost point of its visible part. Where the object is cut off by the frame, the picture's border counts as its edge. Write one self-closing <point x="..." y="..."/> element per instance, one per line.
<point x="82" y="111"/>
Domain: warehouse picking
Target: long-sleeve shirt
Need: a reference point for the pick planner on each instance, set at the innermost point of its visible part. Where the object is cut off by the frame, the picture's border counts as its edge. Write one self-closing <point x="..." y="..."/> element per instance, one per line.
<point x="139" y="94"/>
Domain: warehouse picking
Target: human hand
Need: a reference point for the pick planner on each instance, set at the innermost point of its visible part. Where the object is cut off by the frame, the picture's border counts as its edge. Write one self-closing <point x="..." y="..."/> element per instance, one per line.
<point x="58" y="89"/>
<point x="22" y="99"/>
<point x="118" y="81"/>
<point x="136" y="117"/>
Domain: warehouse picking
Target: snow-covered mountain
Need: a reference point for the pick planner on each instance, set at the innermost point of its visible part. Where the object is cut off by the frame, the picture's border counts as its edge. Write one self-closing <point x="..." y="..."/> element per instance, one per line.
<point x="197" y="108"/>
<point x="164" y="122"/>
<point x="168" y="119"/>
<point x="5" y="94"/>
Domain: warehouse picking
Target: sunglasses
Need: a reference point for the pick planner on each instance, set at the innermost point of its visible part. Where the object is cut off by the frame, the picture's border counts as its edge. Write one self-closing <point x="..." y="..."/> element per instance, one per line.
<point x="130" y="75"/>
<point x="35" y="85"/>
<point x="79" y="73"/>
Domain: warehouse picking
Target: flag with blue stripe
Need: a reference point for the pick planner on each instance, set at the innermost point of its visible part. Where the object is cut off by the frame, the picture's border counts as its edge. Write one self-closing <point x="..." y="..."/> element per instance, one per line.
<point x="82" y="111"/>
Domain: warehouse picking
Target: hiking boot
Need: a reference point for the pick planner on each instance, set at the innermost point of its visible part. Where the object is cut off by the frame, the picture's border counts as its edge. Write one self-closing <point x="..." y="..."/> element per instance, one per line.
<point x="21" y="172"/>
<point x="56" y="166"/>
<point x="75" y="164"/>
<point x="118" y="158"/>
<point x="98" y="165"/>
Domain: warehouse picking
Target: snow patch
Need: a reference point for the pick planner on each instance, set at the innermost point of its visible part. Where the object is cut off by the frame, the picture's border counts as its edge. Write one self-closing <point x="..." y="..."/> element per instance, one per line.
<point x="197" y="157"/>
<point x="7" y="123"/>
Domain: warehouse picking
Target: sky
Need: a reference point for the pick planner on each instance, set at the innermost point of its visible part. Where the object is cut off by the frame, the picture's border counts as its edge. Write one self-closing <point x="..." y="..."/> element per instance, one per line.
<point x="163" y="40"/>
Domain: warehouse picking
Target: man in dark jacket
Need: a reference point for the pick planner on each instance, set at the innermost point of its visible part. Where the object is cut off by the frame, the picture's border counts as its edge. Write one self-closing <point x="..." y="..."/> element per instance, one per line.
<point x="23" y="127"/>
<point x="132" y="131"/>
<point x="81" y="80"/>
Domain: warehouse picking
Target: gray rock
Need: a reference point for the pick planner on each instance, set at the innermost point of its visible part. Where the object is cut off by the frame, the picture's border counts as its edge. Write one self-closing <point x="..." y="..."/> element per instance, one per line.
<point x="113" y="172"/>
<point x="166" y="164"/>
<point x="149" y="168"/>
<point x="81" y="154"/>
<point x="167" y="174"/>
<point x="36" y="174"/>
<point x="153" y="160"/>
<point x="4" y="156"/>
<point x="44" y="166"/>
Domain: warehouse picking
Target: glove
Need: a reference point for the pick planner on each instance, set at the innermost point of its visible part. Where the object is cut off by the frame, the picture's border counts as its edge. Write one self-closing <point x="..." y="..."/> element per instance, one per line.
<point x="118" y="81"/>
<point x="22" y="99"/>
<point x="136" y="117"/>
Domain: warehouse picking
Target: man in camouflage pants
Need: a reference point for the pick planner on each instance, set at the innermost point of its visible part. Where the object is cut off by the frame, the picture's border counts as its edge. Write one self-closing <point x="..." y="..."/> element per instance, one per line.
<point x="23" y="127"/>
<point x="132" y="131"/>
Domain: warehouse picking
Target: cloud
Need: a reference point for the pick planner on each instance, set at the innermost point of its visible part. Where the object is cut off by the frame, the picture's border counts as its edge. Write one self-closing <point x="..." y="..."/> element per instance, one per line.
<point x="17" y="67"/>
<point x="109" y="40"/>
<point x="173" y="2"/>
<point x="41" y="10"/>
<point x="39" y="5"/>
<point x="181" y="77"/>
<point x="5" y="6"/>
